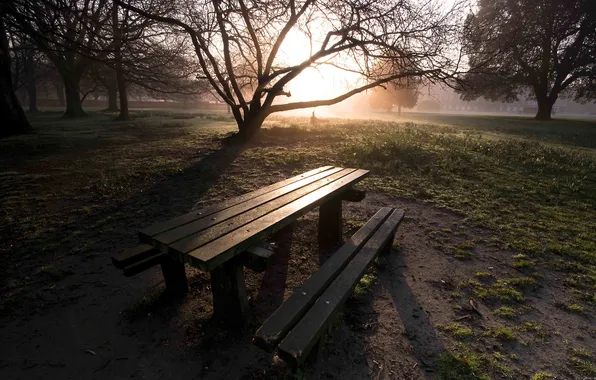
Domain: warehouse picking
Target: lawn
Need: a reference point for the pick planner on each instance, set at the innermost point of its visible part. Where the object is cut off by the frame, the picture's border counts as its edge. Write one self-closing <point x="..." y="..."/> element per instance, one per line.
<point x="514" y="201"/>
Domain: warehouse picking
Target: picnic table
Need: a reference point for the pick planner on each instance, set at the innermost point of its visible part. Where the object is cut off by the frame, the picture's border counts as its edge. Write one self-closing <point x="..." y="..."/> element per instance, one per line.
<point x="224" y="237"/>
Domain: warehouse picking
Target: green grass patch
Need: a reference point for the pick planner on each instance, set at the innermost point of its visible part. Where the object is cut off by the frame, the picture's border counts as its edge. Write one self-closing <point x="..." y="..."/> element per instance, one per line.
<point x="459" y="367"/>
<point x="364" y="285"/>
<point x="506" y="312"/>
<point x="501" y="333"/>
<point x="458" y="331"/>
<point x="543" y="376"/>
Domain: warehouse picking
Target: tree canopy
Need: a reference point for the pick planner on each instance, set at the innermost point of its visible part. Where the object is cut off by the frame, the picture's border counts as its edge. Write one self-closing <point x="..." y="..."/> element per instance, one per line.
<point x="237" y="44"/>
<point x="403" y="93"/>
<point x="546" y="48"/>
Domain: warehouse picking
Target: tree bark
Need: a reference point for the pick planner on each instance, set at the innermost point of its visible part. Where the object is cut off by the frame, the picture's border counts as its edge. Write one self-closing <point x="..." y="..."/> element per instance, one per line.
<point x="14" y="120"/>
<point x="545" y="107"/>
<point x="73" y="97"/>
<point x="112" y="99"/>
<point x="31" y="82"/>
<point x="60" y="94"/>
<point x="119" y="69"/>
<point x="252" y="123"/>
<point x="123" y="97"/>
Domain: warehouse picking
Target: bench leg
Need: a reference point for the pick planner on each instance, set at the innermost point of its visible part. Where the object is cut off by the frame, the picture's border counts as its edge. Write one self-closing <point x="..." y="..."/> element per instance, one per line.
<point x="230" y="301"/>
<point x="174" y="276"/>
<point x="330" y="222"/>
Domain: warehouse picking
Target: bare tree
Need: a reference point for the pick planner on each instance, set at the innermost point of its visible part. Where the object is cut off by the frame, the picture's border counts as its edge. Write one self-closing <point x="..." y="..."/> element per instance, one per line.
<point x="68" y="33"/>
<point x="14" y="120"/>
<point x="238" y="42"/>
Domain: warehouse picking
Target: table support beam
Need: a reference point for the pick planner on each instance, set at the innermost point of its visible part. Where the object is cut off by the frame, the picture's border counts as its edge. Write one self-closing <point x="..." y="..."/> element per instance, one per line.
<point x="230" y="301"/>
<point x="174" y="276"/>
<point x="330" y="222"/>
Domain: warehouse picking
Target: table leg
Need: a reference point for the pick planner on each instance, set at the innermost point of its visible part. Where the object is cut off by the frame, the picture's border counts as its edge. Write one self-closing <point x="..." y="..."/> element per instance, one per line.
<point x="174" y="276"/>
<point x="230" y="301"/>
<point x="330" y="222"/>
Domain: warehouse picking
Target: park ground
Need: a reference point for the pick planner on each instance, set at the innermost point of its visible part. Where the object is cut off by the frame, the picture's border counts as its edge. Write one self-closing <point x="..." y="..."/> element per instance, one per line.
<point x="493" y="273"/>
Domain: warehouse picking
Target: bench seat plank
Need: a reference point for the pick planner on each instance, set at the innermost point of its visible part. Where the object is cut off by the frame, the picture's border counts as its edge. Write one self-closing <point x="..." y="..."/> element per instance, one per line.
<point x="203" y="237"/>
<point x="289" y="313"/>
<point x="259" y="258"/>
<point x="224" y="248"/>
<point x="296" y="346"/>
<point x="144" y="264"/>
<point x="268" y="199"/>
<point x="133" y="255"/>
<point x="146" y="234"/>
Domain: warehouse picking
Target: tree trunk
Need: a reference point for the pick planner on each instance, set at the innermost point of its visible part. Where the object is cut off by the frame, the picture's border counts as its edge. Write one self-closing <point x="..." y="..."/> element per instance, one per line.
<point x="14" y="120"/>
<point x="31" y="82"/>
<point x="60" y="94"/>
<point x="112" y="99"/>
<point x="123" y="97"/>
<point x="399" y="110"/>
<point x="119" y="69"/>
<point x="74" y="107"/>
<point x="545" y="107"/>
<point x="252" y="123"/>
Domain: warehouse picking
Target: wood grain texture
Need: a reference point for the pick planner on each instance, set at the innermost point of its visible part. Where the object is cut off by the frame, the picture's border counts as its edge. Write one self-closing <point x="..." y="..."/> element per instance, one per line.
<point x="203" y="237"/>
<point x="146" y="234"/>
<point x="289" y="313"/>
<point x="225" y="217"/>
<point x="296" y="346"/>
<point x="218" y="251"/>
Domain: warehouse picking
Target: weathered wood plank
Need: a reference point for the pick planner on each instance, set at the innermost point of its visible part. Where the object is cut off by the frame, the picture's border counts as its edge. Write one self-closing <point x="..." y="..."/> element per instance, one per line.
<point x="295" y="347"/>
<point x="146" y="234"/>
<point x="143" y="264"/>
<point x="353" y="195"/>
<point x="203" y="237"/>
<point x="201" y="224"/>
<point x="224" y="248"/>
<point x="290" y="312"/>
<point x="174" y="276"/>
<point x="132" y="255"/>
<point x="258" y="258"/>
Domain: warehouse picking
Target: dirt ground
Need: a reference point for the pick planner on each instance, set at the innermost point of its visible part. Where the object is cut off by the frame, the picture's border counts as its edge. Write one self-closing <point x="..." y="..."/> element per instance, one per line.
<point x="67" y="313"/>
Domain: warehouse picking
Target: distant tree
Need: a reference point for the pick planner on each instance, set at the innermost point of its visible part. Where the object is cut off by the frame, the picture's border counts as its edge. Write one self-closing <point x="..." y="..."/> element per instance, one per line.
<point x="14" y="120"/>
<point x="395" y="94"/>
<point x="541" y="47"/>
<point x="68" y="33"/>
<point x="238" y="42"/>
<point x="146" y="55"/>
<point x="429" y="105"/>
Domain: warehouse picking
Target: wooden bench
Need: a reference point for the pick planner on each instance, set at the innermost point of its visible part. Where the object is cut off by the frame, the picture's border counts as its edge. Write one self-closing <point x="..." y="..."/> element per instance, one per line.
<point x="144" y="256"/>
<point x="224" y="237"/>
<point x="300" y="323"/>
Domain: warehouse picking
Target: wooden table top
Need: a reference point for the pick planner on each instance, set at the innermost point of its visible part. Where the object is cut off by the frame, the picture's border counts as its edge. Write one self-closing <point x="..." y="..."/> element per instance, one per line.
<point x="208" y="237"/>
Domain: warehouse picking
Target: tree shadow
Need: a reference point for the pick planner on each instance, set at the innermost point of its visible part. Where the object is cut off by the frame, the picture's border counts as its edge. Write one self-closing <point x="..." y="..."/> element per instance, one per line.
<point x="419" y="330"/>
<point x="176" y="194"/>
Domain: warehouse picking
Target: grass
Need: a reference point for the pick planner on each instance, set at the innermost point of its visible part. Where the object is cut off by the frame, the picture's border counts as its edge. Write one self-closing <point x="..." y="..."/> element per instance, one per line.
<point x="506" y="312"/>
<point x="364" y="285"/>
<point x="501" y="333"/>
<point x="543" y="376"/>
<point x="531" y="186"/>
<point x="465" y="364"/>
<point x="458" y="331"/>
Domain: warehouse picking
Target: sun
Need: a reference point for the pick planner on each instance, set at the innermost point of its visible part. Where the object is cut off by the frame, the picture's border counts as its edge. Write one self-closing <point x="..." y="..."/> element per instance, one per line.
<point x="322" y="82"/>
